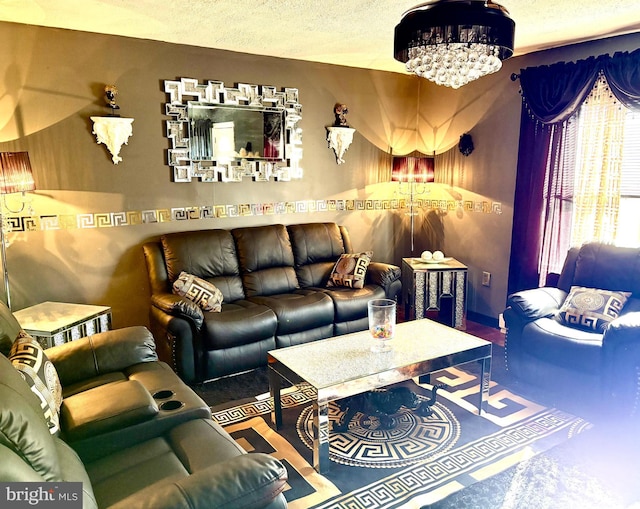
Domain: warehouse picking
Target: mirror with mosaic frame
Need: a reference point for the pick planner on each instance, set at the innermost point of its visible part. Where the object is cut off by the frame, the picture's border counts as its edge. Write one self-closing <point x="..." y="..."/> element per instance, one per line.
<point x="228" y="134"/>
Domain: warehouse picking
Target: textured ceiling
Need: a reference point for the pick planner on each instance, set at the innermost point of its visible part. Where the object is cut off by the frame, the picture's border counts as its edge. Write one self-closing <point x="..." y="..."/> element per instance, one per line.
<point x="357" y="33"/>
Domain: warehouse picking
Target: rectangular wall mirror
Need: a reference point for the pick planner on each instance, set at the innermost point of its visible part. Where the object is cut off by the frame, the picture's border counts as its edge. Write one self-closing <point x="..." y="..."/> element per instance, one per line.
<point x="227" y="134"/>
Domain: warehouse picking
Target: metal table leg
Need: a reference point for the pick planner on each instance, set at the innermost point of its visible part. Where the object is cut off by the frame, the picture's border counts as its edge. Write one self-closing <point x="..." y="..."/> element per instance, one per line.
<point x="274" y="389"/>
<point x="320" y="436"/>
<point x="485" y="380"/>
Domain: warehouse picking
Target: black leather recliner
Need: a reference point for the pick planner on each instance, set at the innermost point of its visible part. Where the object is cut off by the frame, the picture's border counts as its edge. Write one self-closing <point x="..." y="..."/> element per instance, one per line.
<point x="316" y="247"/>
<point x="130" y="430"/>
<point x="269" y="277"/>
<point x="273" y="279"/>
<point x="200" y="345"/>
<point x="542" y="349"/>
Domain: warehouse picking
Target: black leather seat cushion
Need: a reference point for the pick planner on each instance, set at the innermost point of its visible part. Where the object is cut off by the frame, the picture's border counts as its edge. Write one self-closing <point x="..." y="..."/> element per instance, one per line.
<point x="351" y="304"/>
<point x="240" y="323"/>
<point x="299" y="311"/>
<point x="553" y="342"/>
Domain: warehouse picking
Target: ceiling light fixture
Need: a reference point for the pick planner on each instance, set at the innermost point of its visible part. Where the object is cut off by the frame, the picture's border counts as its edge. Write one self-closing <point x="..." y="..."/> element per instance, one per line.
<point x="453" y="42"/>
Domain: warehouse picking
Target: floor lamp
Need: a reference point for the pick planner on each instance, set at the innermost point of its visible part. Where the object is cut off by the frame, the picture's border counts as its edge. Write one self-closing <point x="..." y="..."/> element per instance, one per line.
<point x="15" y="177"/>
<point x="413" y="171"/>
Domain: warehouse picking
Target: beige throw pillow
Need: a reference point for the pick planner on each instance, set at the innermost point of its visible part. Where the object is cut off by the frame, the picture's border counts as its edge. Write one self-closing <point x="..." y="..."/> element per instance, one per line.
<point x="592" y="309"/>
<point x="28" y="357"/>
<point x="350" y="270"/>
<point x="203" y="293"/>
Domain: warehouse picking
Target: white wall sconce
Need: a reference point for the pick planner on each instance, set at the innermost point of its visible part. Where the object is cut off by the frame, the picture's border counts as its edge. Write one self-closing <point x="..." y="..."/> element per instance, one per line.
<point x="340" y="135"/>
<point x="113" y="130"/>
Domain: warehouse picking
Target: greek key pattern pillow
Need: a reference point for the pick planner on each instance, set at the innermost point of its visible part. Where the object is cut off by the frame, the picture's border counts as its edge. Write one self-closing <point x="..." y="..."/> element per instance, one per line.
<point x="592" y="309"/>
<point x="28" y="357"/>
<point x="196" y="289"/>
<point x="350" y="270"/>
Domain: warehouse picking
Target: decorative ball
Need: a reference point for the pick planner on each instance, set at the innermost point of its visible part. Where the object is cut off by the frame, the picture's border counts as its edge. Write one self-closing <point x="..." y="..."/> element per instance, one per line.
<point x="426" y="255"/>
<point x="438" y="255"/>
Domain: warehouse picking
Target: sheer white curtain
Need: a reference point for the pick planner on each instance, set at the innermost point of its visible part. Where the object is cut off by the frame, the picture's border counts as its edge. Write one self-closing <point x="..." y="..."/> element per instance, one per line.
<point x="599" y="167"/>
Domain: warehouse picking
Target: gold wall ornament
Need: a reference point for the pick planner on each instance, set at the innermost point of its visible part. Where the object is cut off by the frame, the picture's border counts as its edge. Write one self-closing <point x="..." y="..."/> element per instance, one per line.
<point x="110" y="93"/>
<point x="340" y="111"/>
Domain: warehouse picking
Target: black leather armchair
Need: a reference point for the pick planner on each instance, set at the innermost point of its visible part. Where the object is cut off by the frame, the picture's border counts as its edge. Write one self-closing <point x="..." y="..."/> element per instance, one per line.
<point x="542" y="349"/>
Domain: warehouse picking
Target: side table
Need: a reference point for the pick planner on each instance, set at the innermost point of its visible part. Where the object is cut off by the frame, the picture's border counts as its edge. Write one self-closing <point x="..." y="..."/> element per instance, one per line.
<point x="54" y="323"/>
<point x="435" y="288"/>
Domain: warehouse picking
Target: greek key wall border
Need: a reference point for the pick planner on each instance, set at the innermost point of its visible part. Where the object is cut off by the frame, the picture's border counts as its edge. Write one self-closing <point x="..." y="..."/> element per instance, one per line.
<point x="137" y="217"/>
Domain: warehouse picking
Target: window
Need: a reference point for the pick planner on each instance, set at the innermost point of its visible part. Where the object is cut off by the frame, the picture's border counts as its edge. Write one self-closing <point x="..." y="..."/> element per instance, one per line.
<point x="629" y="216"/>
<point x="606" y="196"/>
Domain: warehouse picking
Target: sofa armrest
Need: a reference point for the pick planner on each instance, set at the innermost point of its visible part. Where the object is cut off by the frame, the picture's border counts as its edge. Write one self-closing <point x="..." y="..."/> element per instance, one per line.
<point x="625" y="328"/>
<point x="248" y="481"/>
<point x="106" y="408"/>
<point x="101" y="353"/>
<point x="385" y="275"/>
<point x="177" y="305"/>
<point x="529" y="305"/>
<point x="621" y="359"/>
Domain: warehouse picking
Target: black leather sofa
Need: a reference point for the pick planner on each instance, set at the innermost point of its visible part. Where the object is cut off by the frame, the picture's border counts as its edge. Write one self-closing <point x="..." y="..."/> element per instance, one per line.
<point x="274" y="284"/>
<point x="127" y="428"/>
<point x="602" y="365"/>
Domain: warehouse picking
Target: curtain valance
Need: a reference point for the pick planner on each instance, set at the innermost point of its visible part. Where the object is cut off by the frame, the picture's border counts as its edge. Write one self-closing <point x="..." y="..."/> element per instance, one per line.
<point x="552" y="93"/>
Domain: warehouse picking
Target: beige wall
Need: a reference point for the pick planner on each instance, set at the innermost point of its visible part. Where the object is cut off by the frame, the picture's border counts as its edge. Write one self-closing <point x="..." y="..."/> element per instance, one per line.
<point x="52" y="82"/>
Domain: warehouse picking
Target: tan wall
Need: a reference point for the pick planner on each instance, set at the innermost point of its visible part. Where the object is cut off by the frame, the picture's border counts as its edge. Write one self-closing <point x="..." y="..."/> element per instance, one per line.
<point x="52" y="83"/>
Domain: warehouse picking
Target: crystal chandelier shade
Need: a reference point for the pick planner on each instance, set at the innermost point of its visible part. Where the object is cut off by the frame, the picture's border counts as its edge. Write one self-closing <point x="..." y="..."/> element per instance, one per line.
<point x="453" y="42"/>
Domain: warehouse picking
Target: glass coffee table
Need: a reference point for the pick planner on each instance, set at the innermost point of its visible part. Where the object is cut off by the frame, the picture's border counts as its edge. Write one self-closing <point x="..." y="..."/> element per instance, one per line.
<point x="343" y="366"/>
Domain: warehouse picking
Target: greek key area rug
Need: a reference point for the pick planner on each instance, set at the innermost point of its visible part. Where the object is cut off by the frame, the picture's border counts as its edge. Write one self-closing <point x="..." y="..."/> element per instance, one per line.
<point x="417" y="462"/>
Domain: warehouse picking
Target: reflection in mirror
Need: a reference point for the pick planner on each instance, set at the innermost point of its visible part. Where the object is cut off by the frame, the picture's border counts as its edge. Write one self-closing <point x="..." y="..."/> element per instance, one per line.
<point x="226" y="134"/>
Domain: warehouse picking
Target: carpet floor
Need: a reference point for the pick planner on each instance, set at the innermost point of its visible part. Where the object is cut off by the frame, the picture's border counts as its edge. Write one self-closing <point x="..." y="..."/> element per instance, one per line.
<point x="596" y="469"/>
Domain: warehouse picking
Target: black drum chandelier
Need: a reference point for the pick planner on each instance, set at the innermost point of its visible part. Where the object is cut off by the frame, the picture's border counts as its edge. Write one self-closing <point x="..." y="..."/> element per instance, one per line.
<point x="453" y="42"/>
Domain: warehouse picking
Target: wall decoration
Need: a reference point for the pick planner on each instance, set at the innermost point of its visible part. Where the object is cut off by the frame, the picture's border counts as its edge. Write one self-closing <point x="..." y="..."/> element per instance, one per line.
<point x="340" y="111"/>
<point x="112" y="130"/>
<point x="110" y="93"/>
<point x="340" y="139"/>
<point x="466" y="144"/>
<point x="226" y="134"/>
<point x="340" y="135"/>
<point x="24" y="224"/>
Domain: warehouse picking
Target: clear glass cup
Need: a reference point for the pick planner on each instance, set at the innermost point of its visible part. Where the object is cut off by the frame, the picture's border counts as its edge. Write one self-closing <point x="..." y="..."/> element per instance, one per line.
<point x="382" y="323"/>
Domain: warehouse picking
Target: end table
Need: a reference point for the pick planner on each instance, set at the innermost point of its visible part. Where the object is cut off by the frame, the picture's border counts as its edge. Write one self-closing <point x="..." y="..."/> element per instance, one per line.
<point x="54" y="323"/>
<point x="436" y="288"/>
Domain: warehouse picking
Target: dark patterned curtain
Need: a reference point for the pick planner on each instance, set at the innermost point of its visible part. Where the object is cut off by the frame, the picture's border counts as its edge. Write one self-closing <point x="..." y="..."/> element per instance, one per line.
<point x="552" y="96"/>
<point x="623" y="75"/>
